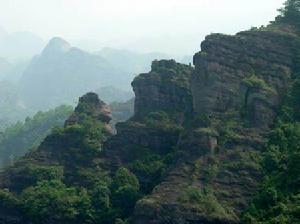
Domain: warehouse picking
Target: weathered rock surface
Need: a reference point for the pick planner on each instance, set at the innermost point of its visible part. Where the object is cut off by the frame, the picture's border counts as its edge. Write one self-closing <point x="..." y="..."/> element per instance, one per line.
<point x="165" y="88"/>
<point x="237" y="84"/>
<point x="226" y="62"/>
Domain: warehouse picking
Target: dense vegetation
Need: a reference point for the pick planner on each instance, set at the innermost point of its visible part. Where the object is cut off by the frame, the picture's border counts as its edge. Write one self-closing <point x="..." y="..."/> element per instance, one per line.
<point x="17" y="139"/>
<point x="290" y="13"/>
<point x="279" y="197"/>
<point x="12" y="109"/>
<point x="278" y="200"/>
<point x="70" y="185"/>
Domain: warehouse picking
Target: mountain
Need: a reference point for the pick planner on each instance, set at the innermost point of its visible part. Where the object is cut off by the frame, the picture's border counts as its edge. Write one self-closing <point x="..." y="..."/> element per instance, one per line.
<point x="12" y="107"/>
<point x="62" y="73"/>
<point x="129" y="62"/>
<point x="12" y="71"/>
<point x="213" y="143"/>
<point x="5" y="67"/>
<point x="111" y="94"/>
<point x="187" y="60"/>
<point x="121" y="111"/>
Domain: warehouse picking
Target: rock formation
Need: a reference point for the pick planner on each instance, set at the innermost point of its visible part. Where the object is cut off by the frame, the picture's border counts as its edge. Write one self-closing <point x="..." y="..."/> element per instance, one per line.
<point x="194" y="143"/>
<point x="65" y="146"/>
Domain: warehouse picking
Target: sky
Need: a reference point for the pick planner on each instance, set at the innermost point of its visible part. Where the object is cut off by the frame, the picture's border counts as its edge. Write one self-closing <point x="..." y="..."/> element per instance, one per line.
<point x="170" y="26"/>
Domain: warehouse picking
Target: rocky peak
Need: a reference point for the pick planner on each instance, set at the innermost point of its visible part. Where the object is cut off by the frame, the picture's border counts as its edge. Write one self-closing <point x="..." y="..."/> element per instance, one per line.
<point x="56" y="45"/>
<point x="92" y="106"/>
<point x="237" y="85"/>
<point x="165" y="88"/>
<point x="226" y="63"/>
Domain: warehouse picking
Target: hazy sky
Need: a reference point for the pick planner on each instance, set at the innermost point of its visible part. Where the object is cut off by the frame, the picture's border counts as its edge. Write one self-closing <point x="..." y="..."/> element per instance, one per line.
<point x="171" y="26"/>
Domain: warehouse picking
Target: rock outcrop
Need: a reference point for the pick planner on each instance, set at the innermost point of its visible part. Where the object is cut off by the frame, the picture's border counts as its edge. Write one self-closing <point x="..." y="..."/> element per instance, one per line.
<point x="248" y="70"/>
<point x="70" y="147"/>
<point x="163" y="100"/>
<point x="165" y="88"/>
<point x="237" y="85"/>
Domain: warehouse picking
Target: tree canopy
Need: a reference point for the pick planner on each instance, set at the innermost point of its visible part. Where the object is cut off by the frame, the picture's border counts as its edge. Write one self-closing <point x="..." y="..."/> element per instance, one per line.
<point x="290" y="12"/>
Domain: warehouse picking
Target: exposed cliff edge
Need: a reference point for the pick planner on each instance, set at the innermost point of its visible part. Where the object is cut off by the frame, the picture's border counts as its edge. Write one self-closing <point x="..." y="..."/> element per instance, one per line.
<point x="237" y="86"/>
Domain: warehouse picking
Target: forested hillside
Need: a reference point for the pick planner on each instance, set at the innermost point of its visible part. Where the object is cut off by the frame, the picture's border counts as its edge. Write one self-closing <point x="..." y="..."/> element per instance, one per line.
<point x="18" y="139"/>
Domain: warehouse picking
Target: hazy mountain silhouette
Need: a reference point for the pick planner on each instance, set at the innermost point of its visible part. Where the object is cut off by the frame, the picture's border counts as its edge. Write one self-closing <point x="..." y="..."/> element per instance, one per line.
<point x="5" y="67"/>
<point x="61" y="73"/>
<point x="131" y="62"/>
<point x="110" y="94"/>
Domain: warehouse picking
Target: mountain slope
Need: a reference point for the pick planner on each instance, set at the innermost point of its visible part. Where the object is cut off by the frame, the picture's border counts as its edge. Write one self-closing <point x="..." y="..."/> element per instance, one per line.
<point x="112" y="94"/>
<point x="18" y="139"/>
<point x="62" y="73"/>
<point x="129" y="62"/>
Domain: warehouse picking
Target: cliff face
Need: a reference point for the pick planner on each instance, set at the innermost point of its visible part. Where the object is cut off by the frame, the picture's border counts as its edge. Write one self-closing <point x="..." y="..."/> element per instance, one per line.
<point x="166" y="87"/>
<point x="226" y="68"/>
<point x="237" y="87"/>
<point x="163" y="99"/>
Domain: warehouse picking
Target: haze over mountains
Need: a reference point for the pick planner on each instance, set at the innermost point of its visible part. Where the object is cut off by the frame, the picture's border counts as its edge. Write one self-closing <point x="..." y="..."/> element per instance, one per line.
<point x="41" y="78"/>
<point x="19" y="45"/>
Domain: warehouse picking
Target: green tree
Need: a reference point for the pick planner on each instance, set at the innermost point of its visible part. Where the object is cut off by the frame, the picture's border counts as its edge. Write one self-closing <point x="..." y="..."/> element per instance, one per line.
<point x="125" y="192"/>
<point x="124" y="177"/>
<point x="291" y="12"/>
<point x="53" y="201"/>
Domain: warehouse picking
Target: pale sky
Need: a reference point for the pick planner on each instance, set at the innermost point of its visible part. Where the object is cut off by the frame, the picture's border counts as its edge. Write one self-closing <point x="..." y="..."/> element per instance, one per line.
<point x="171" y="26"/>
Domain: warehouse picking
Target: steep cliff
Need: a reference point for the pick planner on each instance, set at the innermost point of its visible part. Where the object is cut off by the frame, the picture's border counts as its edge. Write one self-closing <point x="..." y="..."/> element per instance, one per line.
<point x="237" y="86"/>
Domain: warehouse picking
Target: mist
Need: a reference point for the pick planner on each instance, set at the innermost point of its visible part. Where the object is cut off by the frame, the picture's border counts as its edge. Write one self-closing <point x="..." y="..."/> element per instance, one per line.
<point x="173" y="27"/>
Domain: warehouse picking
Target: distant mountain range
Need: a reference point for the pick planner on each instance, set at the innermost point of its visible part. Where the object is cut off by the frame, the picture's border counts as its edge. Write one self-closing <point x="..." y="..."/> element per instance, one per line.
<point x="60" y="73"/>
<point x="12" y="71"/>
<point x="111" y="94"/>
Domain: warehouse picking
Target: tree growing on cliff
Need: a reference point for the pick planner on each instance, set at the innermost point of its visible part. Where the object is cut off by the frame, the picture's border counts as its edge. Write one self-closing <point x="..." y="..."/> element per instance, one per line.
<point x="291" y="12"/>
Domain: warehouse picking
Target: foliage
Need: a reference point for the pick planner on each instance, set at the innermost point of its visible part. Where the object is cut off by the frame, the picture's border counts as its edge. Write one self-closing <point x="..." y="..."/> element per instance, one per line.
<point x="254" y="82"/>
<point x="52" y="200"/>
<point x="125" y="191"/>
<point x="149" y="171"/>
<point x="278" y="199"/>
<point x="19" y="138"/>
<point x="290" y="13"/>
<point x="7" y="199"/>
<point x="205" y="201"/>
<point x="124" y="177"/>
<point x="161" y="120"/>
<point x="63" y="180"/>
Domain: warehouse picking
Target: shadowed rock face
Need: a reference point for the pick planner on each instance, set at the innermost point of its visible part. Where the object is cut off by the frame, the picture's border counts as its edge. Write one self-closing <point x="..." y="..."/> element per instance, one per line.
<point x="165" y="88"/>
